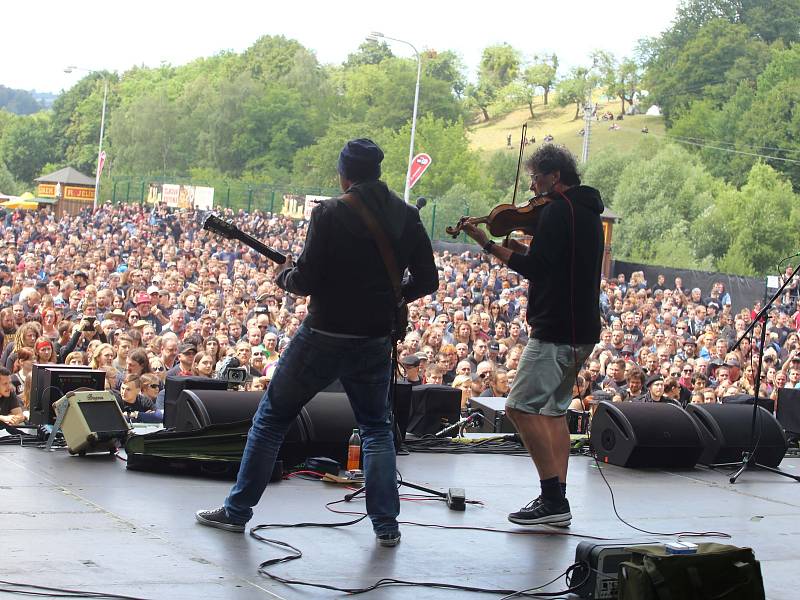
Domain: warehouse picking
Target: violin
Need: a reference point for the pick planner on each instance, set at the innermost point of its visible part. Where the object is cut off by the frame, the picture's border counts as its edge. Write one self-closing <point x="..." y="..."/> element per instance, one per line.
<point x="506" y="218"/>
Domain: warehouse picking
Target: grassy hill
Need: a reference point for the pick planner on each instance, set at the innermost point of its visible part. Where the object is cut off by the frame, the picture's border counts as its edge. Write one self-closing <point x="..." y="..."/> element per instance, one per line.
<point x="558" y="122"/>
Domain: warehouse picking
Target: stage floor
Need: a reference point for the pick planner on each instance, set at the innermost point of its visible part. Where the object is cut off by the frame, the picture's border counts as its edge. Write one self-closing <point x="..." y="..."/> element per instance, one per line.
<point x="88" y="523"/>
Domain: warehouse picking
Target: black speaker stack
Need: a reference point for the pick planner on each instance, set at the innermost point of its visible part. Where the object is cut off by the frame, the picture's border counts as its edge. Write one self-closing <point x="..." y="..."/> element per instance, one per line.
<point x="664" y="435"/>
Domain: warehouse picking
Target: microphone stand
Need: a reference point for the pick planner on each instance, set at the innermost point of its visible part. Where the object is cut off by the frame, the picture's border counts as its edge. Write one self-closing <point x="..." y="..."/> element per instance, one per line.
<point x="749" y="458"/>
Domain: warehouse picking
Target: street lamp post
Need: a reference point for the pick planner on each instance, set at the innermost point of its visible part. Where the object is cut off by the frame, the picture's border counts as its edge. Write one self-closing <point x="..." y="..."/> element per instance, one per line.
<point x="70" y="69"/>
<point x="374" y="36"/>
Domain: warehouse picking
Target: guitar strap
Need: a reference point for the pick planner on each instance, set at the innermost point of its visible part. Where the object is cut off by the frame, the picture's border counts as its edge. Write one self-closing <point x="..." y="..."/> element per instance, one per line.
<point x="378" y="234"/>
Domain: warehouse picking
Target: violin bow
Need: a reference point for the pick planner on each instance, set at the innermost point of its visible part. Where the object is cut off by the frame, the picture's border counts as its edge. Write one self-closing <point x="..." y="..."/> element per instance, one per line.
<point x="519" y="161"/>
<point x="519" y="165"/>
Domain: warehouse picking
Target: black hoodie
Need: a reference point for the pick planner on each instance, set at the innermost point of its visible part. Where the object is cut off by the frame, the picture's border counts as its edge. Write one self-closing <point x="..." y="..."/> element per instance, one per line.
<point x="342" y="270"/>
<point x="562" y="291"/>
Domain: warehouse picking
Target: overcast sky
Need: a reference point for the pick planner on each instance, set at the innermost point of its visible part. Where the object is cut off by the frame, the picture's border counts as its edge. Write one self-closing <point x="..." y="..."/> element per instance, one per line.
<point x="40" y="38"/>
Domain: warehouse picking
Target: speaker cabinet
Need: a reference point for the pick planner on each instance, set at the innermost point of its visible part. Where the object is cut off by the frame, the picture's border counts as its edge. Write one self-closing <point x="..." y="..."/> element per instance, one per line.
<point x="726" y="433"/>
<point x="322" y="428"/>
<point x="198" y="408"/>
<point x="175" y="384"/>
<point x="645" y="434"/>
<point x="91" y="421"/>
<point x="433" y="407"/>
<point x="493" y="413"/>
<point x="788" y="411"/>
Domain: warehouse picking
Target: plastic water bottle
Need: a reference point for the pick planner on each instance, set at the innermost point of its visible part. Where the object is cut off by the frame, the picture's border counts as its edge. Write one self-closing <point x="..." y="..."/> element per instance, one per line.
<point x="354" y="451"/>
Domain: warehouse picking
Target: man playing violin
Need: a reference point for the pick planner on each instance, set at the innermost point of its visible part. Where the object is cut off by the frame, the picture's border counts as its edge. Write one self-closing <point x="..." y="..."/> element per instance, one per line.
<point x="563" y="266"/>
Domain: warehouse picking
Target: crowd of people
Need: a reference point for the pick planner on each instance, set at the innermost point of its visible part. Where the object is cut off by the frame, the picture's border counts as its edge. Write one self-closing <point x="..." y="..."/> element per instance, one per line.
<point x="142" y="292"/>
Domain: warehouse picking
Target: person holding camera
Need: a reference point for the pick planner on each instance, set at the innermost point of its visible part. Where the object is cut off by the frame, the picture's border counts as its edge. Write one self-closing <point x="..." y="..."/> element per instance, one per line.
<point x="347" y="335"/>
<point x="83" y="333"/>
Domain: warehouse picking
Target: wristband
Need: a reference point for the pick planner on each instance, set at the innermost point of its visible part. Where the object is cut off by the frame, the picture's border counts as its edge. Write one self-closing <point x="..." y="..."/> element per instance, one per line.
<point x="487" y="247"/>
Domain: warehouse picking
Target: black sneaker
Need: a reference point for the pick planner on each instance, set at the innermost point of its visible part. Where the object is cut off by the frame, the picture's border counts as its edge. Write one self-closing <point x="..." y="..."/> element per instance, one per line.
<point x="388" y="540"/>
<point x="218" y="518"/>
<point x="540" y="512"/>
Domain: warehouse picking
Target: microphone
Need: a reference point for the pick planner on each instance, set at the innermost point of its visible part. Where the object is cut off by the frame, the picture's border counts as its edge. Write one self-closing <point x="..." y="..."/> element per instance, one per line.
<point x="474" y="414"/>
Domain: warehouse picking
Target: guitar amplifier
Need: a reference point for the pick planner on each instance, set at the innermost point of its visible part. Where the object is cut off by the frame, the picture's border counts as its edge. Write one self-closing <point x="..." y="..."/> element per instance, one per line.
<point x="91" y="421"/>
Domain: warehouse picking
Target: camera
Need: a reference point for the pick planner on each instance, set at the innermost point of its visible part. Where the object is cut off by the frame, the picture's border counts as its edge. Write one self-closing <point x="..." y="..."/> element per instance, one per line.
<point x="230" y="371"/>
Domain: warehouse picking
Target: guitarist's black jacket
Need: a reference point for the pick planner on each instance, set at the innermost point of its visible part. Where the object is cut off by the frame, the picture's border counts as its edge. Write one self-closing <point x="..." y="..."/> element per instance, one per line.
<point x="342" y="270"/>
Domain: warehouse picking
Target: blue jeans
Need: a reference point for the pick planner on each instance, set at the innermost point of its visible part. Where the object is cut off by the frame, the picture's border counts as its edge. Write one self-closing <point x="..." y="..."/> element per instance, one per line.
<point x="311" y="362"/>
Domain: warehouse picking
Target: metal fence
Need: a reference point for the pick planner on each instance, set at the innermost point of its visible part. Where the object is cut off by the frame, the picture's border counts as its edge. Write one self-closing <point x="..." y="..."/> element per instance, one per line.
<point x="436" y="215"/>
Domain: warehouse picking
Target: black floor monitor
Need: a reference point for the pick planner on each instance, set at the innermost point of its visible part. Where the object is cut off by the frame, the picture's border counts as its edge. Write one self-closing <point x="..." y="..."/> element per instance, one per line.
<point x="173" y="387"/>
<point x="433" y="407"/>
<point x="788" y="412"/>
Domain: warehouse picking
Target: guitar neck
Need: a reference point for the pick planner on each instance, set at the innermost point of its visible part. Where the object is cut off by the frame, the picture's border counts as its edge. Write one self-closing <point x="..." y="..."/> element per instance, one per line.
<point x="259" y="247"/>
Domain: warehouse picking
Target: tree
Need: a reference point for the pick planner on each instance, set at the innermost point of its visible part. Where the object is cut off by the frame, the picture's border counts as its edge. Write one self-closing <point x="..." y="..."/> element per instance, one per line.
<point x="543" y="75"/>
<point x="480" y="97"/>
<point x="499" y="65"/>
<point x="575" y="88"/>
<point x="661" y="192"/>
<point x="19" y="102"/>
<point x="370" y="52"/>
<point x="445" y="66"/>
<point x="621" y="79"/>
<point x="749" y="231"/>
<point x="76" y="120"/>
<point x="145" y="136"/>
<point x="26" y="146"/>
<point x="8" y="185"/>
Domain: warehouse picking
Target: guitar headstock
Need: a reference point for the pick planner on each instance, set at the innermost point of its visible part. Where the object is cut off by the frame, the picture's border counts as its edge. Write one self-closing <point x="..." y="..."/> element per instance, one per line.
<point x="215" y="224"/>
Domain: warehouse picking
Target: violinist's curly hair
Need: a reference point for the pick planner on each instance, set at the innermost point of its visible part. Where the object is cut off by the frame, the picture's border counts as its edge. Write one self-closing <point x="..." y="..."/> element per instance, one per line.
<point x="549" y="158"/>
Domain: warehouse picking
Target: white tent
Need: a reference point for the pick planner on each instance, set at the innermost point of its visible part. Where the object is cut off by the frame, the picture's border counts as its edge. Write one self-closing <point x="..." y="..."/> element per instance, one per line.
<point x="653" y="111"/>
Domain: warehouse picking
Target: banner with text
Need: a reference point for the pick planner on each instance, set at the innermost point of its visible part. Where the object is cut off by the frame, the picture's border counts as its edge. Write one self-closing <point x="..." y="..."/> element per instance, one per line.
<point x="181" y="196"/>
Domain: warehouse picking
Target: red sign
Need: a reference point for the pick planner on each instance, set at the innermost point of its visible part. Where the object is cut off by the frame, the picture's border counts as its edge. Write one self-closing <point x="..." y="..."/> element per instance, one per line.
<point x="101" y="161"/>
<point x="418" y="166"/>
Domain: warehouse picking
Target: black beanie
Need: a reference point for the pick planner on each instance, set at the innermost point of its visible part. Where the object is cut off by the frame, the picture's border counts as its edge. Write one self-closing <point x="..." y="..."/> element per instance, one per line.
<point x="360" y="160"/>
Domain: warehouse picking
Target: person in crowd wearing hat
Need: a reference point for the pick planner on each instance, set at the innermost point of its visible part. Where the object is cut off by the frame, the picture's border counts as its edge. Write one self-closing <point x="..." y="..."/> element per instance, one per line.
<point x="563" y="271"/>
<point x="346" y="335"/>
<point x="186" y="353"/>
<point x="144" y="302"/>
<point x="655" y="390"/>
<point x="410" y="369"/>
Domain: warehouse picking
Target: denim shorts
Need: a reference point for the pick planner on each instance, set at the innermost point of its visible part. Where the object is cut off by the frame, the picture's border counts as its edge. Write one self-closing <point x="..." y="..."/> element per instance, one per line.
<point x="545" y="376"/>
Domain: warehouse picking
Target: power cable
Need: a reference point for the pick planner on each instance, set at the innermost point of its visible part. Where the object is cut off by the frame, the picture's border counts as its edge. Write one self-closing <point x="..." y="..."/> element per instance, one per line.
<point x="679" y="534"/>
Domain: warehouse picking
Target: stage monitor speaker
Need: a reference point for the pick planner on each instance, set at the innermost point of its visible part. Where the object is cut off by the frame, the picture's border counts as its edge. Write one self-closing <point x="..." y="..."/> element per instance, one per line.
<point x="788" y="411"/>
<point x="329" y="421"/>
<point x="726" y="433"/>
<point x="92" y="421"/>
<point x="433" y="407"/>
<point x="765" y="403"/>
<point x="493" y="413"/>
<point x="322" y="428"/>
<point x="645" y="434"/>
<point x="198" y="408"/>
<point x="173" y="387"/>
